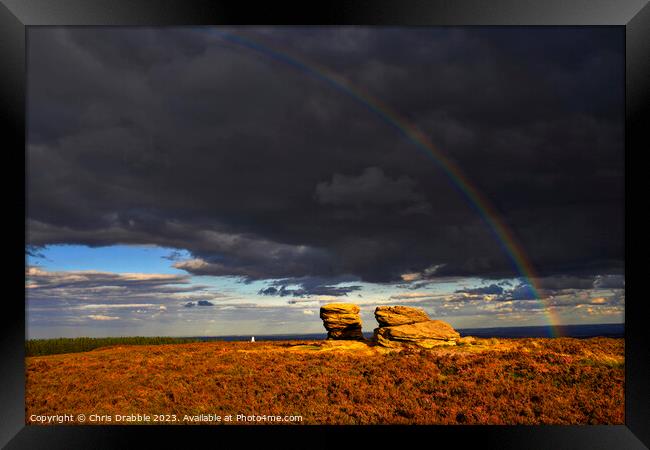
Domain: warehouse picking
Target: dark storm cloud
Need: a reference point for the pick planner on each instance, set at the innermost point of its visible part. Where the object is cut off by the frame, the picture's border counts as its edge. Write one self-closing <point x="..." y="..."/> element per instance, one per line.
<point x="283" y="291"/>
<point x="524" y="291"/>
<point x="260" y="170"/>
<point x="174" y="255"/>
<point x="559" y="290"/>
<point x="609" y="282"/>
<point x="491" y="289"/>
<point x="310" y="286"/>
<point x="371" y="188"/>
<point x="198" y="303"/>
<point x="521" y="291"/>
<point x="566" y="282"/>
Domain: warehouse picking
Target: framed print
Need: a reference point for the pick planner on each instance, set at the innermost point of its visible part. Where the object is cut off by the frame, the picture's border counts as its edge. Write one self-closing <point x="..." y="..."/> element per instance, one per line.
<point x="341" y="221"/>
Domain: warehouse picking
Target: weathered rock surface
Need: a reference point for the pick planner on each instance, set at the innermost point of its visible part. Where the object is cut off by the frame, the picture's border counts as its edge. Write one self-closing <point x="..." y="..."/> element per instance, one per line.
<point x="341" y="320"/>
<point x="427" y="334"/>
<point x="388" y="316"/>
<point x="347" y="333"/>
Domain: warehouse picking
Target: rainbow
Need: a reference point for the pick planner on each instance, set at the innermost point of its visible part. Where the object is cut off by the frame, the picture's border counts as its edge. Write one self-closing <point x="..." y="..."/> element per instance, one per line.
<point x="504" y="235"/>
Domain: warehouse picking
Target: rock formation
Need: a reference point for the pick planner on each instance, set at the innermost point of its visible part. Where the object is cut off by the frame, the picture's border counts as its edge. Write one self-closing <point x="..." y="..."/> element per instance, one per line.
<point x="403" y="326"/>
<point x="389" y="316"/>
<point x="342" y="321"/>
<point x="399" y="326"/>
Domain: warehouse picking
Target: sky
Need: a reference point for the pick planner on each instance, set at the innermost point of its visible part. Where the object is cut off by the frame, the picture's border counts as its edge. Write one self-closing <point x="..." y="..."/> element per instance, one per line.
<point x="207" y="181"/>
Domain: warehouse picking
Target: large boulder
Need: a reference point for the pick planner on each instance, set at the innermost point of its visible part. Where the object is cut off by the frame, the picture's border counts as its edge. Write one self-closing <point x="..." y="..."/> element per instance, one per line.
<point x="389" y="316"/>
<point x="351" y="333"/>
<point x="341" y="320"/>
<point x="427" y="334"/>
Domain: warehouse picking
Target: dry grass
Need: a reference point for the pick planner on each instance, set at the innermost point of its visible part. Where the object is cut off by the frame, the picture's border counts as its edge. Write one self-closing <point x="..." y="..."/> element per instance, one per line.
<point x="498" y="381"/>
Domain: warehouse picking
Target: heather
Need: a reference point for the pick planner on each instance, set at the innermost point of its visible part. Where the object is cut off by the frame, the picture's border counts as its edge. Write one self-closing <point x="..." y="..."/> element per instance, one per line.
<point x="492" y="381"/>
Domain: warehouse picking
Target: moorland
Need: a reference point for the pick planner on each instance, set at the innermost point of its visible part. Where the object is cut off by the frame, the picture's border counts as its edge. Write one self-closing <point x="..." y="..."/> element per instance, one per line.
<point x="490" y="381"/>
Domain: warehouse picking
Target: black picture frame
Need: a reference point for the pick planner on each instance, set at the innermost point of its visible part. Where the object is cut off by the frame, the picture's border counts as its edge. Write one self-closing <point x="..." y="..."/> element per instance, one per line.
<point x="634" y="15"/>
